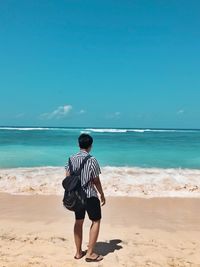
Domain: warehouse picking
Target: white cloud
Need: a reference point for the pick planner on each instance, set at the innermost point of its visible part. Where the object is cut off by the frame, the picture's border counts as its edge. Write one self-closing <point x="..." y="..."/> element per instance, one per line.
<point x="117" y="114"/>
<point x="180" y="111"/>
<point x="114" y="115"/>
<point x="82" y="111"/>
<point x="60" y="112"/>
<point x="19" y="115"/>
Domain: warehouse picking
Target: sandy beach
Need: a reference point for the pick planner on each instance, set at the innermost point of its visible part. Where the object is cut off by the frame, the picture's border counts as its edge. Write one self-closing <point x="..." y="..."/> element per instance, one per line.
<point x="105" y="94"/>
<point x="36" y="230"/>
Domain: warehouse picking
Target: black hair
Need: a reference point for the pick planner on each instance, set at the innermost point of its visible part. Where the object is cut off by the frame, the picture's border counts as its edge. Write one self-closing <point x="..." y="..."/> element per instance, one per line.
<point x="85" y="141"/>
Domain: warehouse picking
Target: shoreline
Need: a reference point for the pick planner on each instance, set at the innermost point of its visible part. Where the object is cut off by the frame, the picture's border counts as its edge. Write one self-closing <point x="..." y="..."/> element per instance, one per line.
<point x="116" y="181"/>
<point x="105" y="166"/>
<point x="12" y="204"/>
<point x="37" y="231"/>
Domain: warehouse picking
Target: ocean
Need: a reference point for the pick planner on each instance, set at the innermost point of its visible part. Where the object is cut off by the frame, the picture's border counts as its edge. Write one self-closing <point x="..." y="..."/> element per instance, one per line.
<point x="161" y="148"/>
<point x="134" y="162"/>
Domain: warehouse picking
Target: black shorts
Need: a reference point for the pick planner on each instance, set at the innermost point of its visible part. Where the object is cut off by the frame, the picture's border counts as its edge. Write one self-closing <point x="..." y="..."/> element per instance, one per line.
<point x="93" y="209"/>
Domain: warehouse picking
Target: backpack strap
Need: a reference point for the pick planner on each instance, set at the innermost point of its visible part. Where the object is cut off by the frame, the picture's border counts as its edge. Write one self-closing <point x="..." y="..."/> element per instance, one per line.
<point x="78" y="172"/>
<point x="70" y="166"/>
<point x="82" y="164"/>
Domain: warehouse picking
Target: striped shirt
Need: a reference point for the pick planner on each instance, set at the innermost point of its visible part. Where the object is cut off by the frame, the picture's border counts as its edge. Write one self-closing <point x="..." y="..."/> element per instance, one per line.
<point x="90" y="171"/>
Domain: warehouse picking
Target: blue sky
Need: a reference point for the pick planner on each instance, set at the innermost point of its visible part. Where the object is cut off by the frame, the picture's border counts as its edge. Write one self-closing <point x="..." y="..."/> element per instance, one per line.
<point x="100" y="63"/>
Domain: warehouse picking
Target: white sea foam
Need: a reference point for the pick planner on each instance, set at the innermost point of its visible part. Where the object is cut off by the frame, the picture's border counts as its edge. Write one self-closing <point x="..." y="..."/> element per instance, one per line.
<point x="107" y="130"/>
<point x="136" y="130"/>
<point x="117" y="181"/>
<point x="97" y="130"/>
<point x="161" y="130"/>
<point x="38" y="129"/>
<point x="86" y="132"/>
<point x="25" y="129"/>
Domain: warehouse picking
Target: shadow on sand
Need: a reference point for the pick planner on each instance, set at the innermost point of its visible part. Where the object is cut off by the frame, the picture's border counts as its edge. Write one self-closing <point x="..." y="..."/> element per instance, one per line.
<point x="104" y="248"/>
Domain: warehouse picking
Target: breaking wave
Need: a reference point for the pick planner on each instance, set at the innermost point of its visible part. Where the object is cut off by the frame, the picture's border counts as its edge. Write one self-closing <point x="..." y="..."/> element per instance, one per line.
<point x="95" y="130"/>
<point x="116" y="181"/>
<point x="108" y="130"/>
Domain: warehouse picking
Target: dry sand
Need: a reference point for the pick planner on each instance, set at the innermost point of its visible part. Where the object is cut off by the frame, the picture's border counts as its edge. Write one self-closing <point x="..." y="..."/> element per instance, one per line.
<point x="136" y="232"/>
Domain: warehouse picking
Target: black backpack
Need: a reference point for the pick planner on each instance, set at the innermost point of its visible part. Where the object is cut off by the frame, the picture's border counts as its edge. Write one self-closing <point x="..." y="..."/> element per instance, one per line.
<point x="74" y="196"/>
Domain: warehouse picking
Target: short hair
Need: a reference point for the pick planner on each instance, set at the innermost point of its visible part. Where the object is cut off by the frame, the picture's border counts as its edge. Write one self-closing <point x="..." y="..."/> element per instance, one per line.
<point x="85" y="141"/>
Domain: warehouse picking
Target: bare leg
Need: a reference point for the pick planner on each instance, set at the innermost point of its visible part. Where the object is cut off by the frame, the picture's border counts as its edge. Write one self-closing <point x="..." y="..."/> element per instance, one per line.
<point x="78" y="237"/>
<point x="94" y="232"/>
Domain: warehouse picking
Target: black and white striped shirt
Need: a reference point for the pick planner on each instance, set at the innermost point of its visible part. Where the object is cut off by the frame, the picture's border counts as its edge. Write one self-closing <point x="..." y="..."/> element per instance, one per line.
<point x="90" y="171"/>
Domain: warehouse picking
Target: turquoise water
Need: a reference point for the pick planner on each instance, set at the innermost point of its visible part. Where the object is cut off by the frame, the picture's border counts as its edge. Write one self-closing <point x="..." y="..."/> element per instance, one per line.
<point x="30" y="147"/>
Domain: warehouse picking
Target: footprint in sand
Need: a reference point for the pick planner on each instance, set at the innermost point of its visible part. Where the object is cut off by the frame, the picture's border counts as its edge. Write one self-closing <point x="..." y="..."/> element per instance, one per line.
<point x="179" y="262"/>
<point x="152" y="264"/>
<point x="57" y="238"/>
